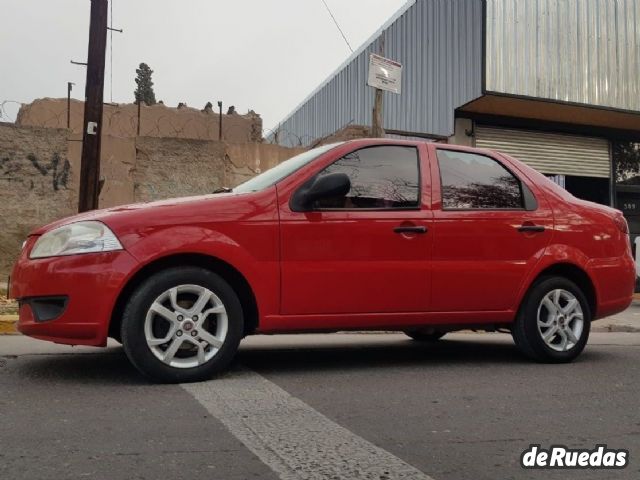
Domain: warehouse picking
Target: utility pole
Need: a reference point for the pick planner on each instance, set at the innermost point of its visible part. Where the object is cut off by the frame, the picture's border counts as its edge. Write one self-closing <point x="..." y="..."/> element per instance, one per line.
<point x="94" y="92"/>
<point x="377" y="129"/>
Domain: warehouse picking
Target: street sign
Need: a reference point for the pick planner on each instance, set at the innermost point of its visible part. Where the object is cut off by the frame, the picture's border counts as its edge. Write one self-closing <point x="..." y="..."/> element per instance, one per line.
<point x="384" y="74"/>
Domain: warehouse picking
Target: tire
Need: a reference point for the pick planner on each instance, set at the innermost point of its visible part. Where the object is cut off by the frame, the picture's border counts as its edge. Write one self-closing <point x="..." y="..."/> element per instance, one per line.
<point x="425" y="336"/>
<point x="555" y="308"/>
<point x="182" y="325"/>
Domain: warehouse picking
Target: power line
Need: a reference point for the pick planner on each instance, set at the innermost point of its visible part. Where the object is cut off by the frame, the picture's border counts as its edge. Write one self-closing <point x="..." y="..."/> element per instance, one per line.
<point x="111" y="53"/>
<point x="111" y="30"/>
<point x="337" y="25"/>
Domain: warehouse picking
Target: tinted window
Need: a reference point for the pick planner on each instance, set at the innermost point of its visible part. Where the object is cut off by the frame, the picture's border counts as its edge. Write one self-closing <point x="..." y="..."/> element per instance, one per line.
<point x="476" y="181"/>
<point x="381" y="177"/>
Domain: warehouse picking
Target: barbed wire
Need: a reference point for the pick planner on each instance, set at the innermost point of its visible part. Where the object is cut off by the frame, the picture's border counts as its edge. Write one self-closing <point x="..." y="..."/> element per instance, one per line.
<point x="282" y="136"/>
<point x="4" y="115"/>
<point x="122" y="121"/>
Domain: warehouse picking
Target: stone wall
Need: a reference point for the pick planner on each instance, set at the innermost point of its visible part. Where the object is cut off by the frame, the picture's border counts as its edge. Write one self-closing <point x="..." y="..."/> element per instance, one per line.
<point x="35" y="184"/>
<point x="167" y="167"/>
<point x="40" y="169"/>
<point x="158" y="121"/>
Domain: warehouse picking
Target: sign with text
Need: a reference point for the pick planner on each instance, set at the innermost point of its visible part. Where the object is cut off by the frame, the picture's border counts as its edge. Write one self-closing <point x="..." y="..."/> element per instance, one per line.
<point x="384" y="74"/>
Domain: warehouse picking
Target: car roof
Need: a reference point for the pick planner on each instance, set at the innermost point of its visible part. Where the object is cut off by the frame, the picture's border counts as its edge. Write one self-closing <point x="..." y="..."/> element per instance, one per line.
<point x="393" y="141"/>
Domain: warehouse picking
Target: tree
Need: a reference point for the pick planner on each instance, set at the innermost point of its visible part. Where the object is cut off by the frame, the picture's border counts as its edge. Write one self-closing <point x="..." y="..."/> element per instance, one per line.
<point x="144" y="91"/>
<point x="627" y="158"/>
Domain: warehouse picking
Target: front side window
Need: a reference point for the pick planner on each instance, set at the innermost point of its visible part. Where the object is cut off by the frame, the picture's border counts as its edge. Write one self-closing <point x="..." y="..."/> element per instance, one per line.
<point x="471" y="181"/>
<point x="381" y="177"/>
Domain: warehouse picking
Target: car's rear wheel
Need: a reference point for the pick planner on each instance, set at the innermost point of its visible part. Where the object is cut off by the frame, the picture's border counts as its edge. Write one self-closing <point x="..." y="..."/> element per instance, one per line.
<point x="182" y="325"/>
<point x="425" y="335"/>
<point x="554" y="321"/>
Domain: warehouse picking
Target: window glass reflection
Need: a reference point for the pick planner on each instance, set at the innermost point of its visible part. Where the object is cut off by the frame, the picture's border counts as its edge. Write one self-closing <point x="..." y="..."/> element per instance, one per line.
<point x="472" y="181"/>
<point x="381" y="177"/>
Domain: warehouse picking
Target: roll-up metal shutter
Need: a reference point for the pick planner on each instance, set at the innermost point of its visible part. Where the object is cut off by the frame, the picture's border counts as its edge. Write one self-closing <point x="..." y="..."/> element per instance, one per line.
<point x="552" y="153"/>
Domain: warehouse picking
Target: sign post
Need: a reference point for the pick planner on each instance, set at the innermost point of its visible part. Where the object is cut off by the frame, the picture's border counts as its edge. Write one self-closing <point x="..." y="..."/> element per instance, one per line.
<point x="384" y="75"/>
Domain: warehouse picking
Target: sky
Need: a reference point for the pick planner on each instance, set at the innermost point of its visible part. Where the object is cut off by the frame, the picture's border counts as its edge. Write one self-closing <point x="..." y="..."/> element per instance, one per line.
<point x="264" y="55"/>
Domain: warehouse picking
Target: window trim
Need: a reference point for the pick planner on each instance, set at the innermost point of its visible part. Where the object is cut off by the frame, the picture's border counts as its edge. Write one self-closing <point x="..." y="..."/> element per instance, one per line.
<point x="417" y="207"/>
<point x="529" y="201"/>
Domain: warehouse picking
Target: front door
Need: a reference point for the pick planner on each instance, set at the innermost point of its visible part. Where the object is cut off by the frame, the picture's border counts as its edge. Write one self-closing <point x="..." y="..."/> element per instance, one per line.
<point x="366" y="252"/>
<point x="489" y="230"/>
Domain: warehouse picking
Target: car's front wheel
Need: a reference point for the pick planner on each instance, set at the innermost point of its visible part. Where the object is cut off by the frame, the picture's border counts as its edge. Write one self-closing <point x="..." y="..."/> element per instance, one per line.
<point x="182" y="325"/>
<point x="554" y="321"/>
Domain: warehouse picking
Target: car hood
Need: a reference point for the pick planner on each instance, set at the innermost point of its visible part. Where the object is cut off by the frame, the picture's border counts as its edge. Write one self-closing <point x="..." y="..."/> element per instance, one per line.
<point x="198" y="209"/>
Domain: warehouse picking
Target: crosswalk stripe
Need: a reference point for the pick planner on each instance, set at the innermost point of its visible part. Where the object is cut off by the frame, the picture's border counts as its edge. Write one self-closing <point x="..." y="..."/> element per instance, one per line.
<point x="290" y="437"/>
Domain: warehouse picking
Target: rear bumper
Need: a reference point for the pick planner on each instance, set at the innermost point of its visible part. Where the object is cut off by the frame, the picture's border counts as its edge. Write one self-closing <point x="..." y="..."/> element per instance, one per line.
<point x="90" y="285"/>
<point x="615" y="280"/>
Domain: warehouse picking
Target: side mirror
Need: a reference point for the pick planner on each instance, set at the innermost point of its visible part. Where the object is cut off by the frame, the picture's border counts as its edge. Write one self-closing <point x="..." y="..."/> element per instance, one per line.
<point x="326" y="186"/>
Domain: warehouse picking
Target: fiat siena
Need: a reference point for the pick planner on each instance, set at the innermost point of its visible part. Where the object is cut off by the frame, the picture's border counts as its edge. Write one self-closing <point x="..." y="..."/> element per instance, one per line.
<point x="365" y="235"/>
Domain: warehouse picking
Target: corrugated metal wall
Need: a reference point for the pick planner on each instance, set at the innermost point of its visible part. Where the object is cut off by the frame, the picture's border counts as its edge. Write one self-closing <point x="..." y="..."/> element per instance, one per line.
<point x="547" y="152"/>
<point x="583" y="51"/>
<point x="439" y="43"/>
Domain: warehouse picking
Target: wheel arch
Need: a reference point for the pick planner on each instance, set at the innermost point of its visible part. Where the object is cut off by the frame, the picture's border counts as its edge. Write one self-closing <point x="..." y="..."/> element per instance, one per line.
<point x="227" y="271"/>
<point x="576" y="274"/>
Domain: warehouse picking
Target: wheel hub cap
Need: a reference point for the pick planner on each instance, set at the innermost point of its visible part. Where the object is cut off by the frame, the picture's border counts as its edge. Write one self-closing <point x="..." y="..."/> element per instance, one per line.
<point x="188" y="326"/>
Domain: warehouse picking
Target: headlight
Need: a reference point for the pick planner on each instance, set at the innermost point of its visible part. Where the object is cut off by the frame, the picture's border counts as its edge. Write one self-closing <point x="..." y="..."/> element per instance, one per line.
<point x="80" y="237"/>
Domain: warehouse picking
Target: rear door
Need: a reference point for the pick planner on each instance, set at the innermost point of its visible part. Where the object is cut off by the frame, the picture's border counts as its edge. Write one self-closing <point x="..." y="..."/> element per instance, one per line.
<point x="491" y="225"/>
<point x="367" y="252"/>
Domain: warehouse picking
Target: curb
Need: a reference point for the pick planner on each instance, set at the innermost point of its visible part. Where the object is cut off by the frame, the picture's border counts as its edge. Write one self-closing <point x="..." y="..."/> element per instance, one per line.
<point x="8" y="324"/>
<point x="615" y="329"/>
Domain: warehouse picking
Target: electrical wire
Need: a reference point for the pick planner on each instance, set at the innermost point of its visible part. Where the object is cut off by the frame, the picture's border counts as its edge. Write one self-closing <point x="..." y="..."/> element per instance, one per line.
<point x="337" y="25"/>
<point x="111" y="54"/>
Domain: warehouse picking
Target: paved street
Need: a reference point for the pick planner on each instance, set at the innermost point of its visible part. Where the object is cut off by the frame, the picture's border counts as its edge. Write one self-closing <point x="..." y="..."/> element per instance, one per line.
<point x="317" y="406"/>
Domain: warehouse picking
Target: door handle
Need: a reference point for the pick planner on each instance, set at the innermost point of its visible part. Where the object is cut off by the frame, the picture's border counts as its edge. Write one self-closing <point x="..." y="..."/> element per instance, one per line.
<point x="531" y="228"/>
<point x="410" y="229"/>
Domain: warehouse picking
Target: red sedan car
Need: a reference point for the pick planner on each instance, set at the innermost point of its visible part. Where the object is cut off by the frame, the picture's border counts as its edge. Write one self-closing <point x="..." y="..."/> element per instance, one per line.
<point x="370" y="234"/>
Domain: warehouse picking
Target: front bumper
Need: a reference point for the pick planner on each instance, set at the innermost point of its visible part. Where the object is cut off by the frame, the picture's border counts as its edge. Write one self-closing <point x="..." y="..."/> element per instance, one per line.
<point x="90" y="283"/>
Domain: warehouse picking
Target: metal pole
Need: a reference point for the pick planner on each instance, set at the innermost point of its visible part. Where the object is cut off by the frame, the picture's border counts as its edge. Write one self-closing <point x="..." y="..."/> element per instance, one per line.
<point x="69" y="88"/>
<point x="93" y="106"/>
<point x="377" y="128"/>
<point x="220" y="122"/>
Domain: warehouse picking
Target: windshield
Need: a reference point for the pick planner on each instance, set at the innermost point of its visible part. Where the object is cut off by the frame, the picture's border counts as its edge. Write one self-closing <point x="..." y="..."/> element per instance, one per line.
<point x="282" y="170"/>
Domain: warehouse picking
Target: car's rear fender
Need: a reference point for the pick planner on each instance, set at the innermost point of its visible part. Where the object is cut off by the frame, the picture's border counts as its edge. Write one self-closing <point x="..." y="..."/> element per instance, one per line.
<point x="606" y="282"/>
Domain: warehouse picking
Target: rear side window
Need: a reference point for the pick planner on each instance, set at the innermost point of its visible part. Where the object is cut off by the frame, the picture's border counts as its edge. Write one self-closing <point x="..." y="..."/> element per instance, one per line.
<point x="381" y="177"/>
<point x="471" y="181"/>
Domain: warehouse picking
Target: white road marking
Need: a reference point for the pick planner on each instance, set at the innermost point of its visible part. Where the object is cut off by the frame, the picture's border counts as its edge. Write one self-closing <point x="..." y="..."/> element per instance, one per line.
<point x="290" y="437"/>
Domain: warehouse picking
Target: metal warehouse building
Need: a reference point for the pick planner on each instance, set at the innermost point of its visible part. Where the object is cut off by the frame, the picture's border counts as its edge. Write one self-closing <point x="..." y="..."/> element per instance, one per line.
<point x="555" y="83"/>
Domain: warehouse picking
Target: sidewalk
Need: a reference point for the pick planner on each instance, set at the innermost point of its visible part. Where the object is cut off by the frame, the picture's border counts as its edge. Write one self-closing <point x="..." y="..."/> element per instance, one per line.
<point x="627" y="321"/>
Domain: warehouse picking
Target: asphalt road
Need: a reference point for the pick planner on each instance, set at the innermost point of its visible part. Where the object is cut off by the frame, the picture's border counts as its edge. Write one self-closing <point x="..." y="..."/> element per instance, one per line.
<point x="318" y="406"/>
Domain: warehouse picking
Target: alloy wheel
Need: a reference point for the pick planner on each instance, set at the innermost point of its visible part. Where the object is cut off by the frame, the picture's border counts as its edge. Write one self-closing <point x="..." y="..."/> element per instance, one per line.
<point x="560" y="320"/>
<point x="186" y="326"/>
